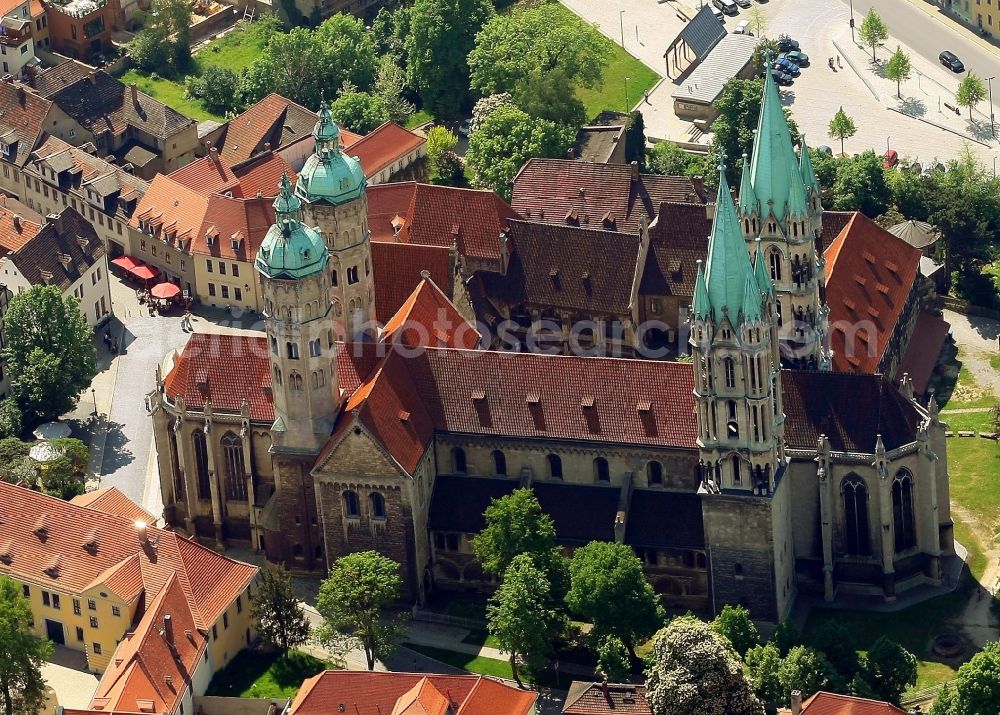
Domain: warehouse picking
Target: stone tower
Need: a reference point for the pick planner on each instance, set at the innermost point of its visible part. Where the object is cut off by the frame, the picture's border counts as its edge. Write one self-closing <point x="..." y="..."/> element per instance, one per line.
<point x="734" y="343"/>
<point x="780" y="211"/>
<point x="331" y="186"/>
<point x="293" y="265"/>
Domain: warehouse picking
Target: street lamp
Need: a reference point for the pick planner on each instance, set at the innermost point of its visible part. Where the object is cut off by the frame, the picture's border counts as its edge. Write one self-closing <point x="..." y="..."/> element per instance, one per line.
<point x="993" y="126"/>
<point x="93" y="393"/>
<point x="621" y="23"/>
<point x="887" y="143"/>
<point x="626" y="95"/>
<point x="852" y="20"/>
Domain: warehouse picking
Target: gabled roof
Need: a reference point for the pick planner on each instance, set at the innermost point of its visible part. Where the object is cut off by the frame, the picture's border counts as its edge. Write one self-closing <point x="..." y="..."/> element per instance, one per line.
<point x="111" y="500"/>
<point x="172" y="207"/>
<point x="262" y="173"/>
<point x="832" y="704"/>
<point x="59" y="256"/>
<point x="385" y="145"/>
<point x="428" y="318"/>
<point x="678" y="239"/>
<point x="606" y="698"/>
<point x="22" y="120"/>
<point x="208" y="175"/>
<point x="702" y="33"/>
<point x="54" y="79"/>
<point x="238" y="227"/>
<point x="397" y="268"/>
<point x="923" y="350"/>
<point x="15" y="231"/>
<point x="591" y="194"/>
<point x="869" y="276"/>
<point x="381" y="693"/>
<point x="273" y="120"/>
<point x="211" y="175"/>
<point x="432" y="215"/>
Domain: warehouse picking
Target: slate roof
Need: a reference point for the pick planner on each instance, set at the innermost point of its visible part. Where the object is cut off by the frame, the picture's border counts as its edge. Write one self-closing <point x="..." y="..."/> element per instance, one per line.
<point x="659" y="519"/>
<point x="702" y="33"/>
<point x="924" y="349"/>
<point x="678" y="239"/>
<point x="22" y="119"/>
<point x="606" y="699"/>
<point x="102" y="103"/>
<point x="869" y="276"/>
<point x="849" y="408"/>
<point x="273" y="120"/>
<point x="432" y="215"/>
<point x="549" y="190"/>
<point x="382" y="693"/>
<point x="58" y="257"/>
<point x="385" y="145"/>
<point x="397" y="270"/>
<point x="918" y="234"/>
<point x="581" y="512"/>
<point x="458" y="502"/>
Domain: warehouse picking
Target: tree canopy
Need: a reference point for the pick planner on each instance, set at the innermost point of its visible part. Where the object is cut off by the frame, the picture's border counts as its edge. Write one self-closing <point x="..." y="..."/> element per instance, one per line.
<point x="360" y="112"/>
<point x="898" y="69"/>
<point x="763" y="663"/>
<point x="22" y="686"/>
<point x="976" y="688"/>
<point x="889" y="669"/>
<point x="861" y="185"/>
<point x="733" y="623"/>
<point x="277" y="615"/>
<point x="807" y="670"/>
<point x="873" y="31"/>
<point x="842" y="127"/>
<point x="971" y="91"/>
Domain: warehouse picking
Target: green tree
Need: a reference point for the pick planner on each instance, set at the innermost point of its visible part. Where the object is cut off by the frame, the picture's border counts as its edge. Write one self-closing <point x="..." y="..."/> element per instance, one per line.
<point x="765" y="50"/>
<point x="976" y="688"/>
<point x="785" y="637"/>
<point x="176" y="15"/>
<point x="11" y="423"/>
<point x="899" y="68"/>
<point x="536" y="39"/>
<point x="861" y="185"/>
<point x="609" y="589"/>
<point x="763" y="663"/>
<point x="484" y="107"/>
<point x="694" y="670"/>
<point x="613" y="660"/>
<point x="842" y="127"/>
<point x="506" y="140"/>
<point x="76" y="451"/>
<point x="873" y="31"/>
<point x="23" y="470"/>
<point x="360" y="112"/>
<point x="758" y="21"/>
<point x="277" y="615"/>
<point x="353" y="600"/>
<point x="164" y="44"/>
<point x="441" y="35"/>
<point x="149" y="50"/>
<point x="825" y="167"/>
<point x="635" y="139"/>
<point x="444" y="166"/>
<point x="522" y="617"/>
<point x="49" y="352"/>
<point x="733" y="623"/>
<point x="390" y="86"/>
<point x="12" y="449"/>
<point x="22" y="687"/>
<point x="348" y="51"/>
<point x="890" y="669"/>
<point x="808" y="671"/>
<point x="60" y="479"/>
<point x="834" y="640"/>
<point x="216" y="87"/>
<point x="549" y="95"/>
<point x="667" y="158"/>
<point x="971" y="91"/>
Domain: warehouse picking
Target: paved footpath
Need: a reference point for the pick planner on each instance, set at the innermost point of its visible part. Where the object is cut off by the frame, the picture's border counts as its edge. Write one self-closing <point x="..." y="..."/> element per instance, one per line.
<point x="977" y="338"/>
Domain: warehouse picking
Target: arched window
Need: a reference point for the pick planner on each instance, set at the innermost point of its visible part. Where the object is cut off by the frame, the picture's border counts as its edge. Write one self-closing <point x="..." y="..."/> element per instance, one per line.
<point x="458" y="460"/>
<point x="314" y="348"/>
<point x="856" y="541"/>
<point x="201" y="464"/>
<point x="337" y="309"/>
<point x="499" y="463"/>
<point x="729" y="366"/>
<point x="352" y="507"/>
<point x="274" y="345"/>
<point x="277" y="375"/>
<point x="377" y="502"/>
<point x="293" y="350"/>
<point x="737" y="473"/>
<point x="902" y="511"/>
<point x="601" y="471"/>
<point x="654" y="473"/>
<point x="732" y="420"/>
<point x="555" y="466"/>
<point x="232" y="452"/>
<point x="774" y="260"/>
<point x="333" y="278"/>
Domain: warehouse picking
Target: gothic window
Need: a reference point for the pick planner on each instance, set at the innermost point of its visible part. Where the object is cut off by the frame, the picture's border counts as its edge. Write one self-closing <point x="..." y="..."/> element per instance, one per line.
<point x="337" y="309"/>
<point x="377" y="502"/>
<point x="458" y="460"/>
<point x="601" y="471"/>
<point x="352" y="508"/>
<point x="777" y="311"/>
<point x="309" y="311"/>
<point x="732" y="420"/>
<point x="654" y="473"/>
<point x="292" y="350"/>
<point x="329" y="338"/>
<point x="795" y="229"/>
<point x="232" y="452"/>
<point x="178" y="474"/>
<point x="274" y="345"/>
<point x="352" y="275"/>
<point x="746" y="225"/>
<point x="856" y="541"/>
<point x="295" y="381"/>
<point x="902" y="511"/>
<point x="774" y="259"/>
<point x="277" y="375"/>
<point x="713" y="422"/>
<point x="201" y="464"/>
<point x="314" y="348"/>
<point x="730" y="369"/>
<point x="499" y="463"/>
<point x="333" y="278"/>
<point x="555" y="466"/>
<point x="737" y="474"/>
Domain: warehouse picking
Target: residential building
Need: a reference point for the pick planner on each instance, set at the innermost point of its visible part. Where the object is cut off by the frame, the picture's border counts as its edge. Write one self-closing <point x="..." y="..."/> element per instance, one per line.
<point x="125" y="594"/>
<point x="603" y="140"/>
<point x="271" y="124"/>
<point x="17" y="45"/>
<point x="364" y="693"/>
<point x="65" y="252"/>
<point x="40" y="20"/>
<point x="82" y="29"/>
<point x="834" y="704"/>
<point x="606" y="699"/>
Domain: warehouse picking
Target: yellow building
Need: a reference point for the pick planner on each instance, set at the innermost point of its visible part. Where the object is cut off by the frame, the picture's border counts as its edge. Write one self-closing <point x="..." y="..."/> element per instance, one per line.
<point x="102" y="580"/>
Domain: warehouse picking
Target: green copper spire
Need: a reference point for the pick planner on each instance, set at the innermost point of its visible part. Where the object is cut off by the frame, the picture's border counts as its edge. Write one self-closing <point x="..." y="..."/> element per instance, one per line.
<point x="287" y="204"/>
<point x="806" y="167"/>
<point x="748" y="199"/>
<point x="797" y="207"/>
<point x="329" y="175"/>
<point x="728" y="265"/>
<point x="701" y="306"/>
<point x="760" y="272"/>
<point x="326" y="132"/>
<point x="774" y="163"/>
<point x="751" y="300"/>
<point x="290" y="249"/>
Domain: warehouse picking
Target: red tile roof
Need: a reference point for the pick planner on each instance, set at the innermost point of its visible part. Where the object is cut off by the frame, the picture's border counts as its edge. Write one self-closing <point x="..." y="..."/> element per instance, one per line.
<point x="208" y="175"/>
<point x="869" y="275"/>
<point x="921" y="355"/>
<point x="439" y="216"/>
<point x="549" y="189"/>
<point x="428" y="318"/>
<point x="831" y="704"/>
<point x="262" y="174"/>
<point x="173" y="207"/>
<point x="397" y="268"/>
<point x="237" y="226"/>
<point x="678" y="239"/>
<point x="377" y="693"/>
<point x="273" y="120"/>
<point x="384" y="146"/>
<point x="15" y="233"/>
<point x="606" y="699"/>
<point x="22" y="119"/>
<point x="112" y="501"/>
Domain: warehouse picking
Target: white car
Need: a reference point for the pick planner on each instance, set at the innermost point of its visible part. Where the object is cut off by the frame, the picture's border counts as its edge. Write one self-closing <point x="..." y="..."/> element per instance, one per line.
<point x="718" y="13"/>
<point x="743" y="3"/>
<point x="465" y="128"/>
<point x="742" y="28"/>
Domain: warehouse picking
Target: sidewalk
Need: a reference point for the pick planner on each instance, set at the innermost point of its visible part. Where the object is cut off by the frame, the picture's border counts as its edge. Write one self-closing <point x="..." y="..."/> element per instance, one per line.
<point x="953" y="22"/>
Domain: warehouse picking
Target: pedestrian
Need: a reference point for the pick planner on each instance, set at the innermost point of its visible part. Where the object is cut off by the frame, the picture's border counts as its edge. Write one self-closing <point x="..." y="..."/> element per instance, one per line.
<point x="114" y="347"/>
<point x="646" y="96"/>
<point x="838" y="62"/>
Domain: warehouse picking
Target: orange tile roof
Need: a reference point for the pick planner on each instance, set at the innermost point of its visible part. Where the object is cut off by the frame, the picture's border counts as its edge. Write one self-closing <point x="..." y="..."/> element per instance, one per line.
<point x="397" y="268"/>
<point x="15" y="234"/>
<point x="428" y="318"/>
<point x="238" y="227"/>
<point x="37" y="531"/>
<point x="869" y="275"/>
<point x="22" y="119"/>
<point x="921" y="355"/>
<point x="262" y="174"/>
<point x="831" y="704"/>
<point x="208" y="175"/>
<point x="177" y="210"/>
<point x="112" y="501"/>
<point x="586" y="698"/>
<point x="273" y="118"/>
<point x="385" y="145"/>
<point x="378" y="693"/>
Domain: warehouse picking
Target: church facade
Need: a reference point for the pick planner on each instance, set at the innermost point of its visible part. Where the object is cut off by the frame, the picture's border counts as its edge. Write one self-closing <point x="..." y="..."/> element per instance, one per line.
<point x="747" y="475"/>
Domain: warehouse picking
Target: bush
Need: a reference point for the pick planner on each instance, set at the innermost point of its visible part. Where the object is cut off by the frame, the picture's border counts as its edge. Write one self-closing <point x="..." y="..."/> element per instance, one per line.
<point x="217" y="88"/>
<point x="10" y="418"/>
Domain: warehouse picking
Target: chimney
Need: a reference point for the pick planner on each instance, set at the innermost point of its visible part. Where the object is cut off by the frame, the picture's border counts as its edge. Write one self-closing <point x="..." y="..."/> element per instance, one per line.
<point x="140" y="527"/>
<point x="214" y="153"/>
<point x="796" y="702"/>
<point x="267" y="146"/>
<point x="56" y="221"/>
<point x="634" y="170"/>
<point x="17" y="222"/>
<point x="168" y="628"/>
<point x="92" y="76"/>
<point x="698" y="183"/>
<point x="135" y="94"/>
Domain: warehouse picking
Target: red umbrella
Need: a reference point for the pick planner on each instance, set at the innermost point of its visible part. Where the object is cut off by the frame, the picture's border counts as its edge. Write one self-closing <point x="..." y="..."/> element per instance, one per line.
<point x="165" y="291"/>
<point x="144" y="272"/>
<point x="127" y="262"/>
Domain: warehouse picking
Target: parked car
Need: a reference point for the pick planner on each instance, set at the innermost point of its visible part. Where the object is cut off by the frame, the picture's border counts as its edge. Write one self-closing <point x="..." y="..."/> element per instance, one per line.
<point x="728" y="7"/>
<point x="951" y="61"/>
<point x="465" y="128"/>
<point x="718" y="13"/>
<point x="824" y="149"/>
<point x="742" y="28"/>
<point x="890" y="159"/>
<point x="743" y="3"/>
<point x="787" y="44"/>
<point x="789" y="67"/>
<point x="782" y="78"/>
<point x="799" y="58"/>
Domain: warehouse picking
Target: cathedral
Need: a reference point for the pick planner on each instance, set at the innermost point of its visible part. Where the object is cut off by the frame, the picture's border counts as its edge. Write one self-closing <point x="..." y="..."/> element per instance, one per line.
<point x="749" y="474"/>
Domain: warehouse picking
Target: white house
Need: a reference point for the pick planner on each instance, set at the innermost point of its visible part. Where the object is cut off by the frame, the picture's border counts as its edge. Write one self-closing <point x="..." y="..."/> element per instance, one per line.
<point x="17" y="49"/>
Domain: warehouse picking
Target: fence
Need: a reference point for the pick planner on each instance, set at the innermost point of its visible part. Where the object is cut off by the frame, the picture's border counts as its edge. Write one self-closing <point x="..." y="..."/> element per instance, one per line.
<point x="966" y="308"/>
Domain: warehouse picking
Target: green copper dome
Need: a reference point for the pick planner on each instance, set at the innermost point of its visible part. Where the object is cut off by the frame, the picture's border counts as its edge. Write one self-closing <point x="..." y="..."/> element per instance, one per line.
<point x="329" y="174"/>
<point x="290" y="249"/>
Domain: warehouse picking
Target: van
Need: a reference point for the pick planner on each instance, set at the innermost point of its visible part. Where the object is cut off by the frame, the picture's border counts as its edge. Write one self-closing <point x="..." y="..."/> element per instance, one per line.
<point x="727" y="6"/>
<point x="742" y="28"/>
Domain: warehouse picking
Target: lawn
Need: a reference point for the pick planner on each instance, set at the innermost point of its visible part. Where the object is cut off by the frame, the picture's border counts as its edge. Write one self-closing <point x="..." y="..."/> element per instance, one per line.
<point x="465" y="661"/>
<point x="481" y="638"/>
<point x="256" y="674"/>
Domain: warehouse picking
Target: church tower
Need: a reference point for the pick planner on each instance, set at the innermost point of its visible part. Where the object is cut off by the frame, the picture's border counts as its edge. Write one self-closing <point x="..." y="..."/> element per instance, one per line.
<point x="331" y="187"/>
<point x="780" y="211"/>
<point x="293" y="266"/>
<point x="737" y="368"/>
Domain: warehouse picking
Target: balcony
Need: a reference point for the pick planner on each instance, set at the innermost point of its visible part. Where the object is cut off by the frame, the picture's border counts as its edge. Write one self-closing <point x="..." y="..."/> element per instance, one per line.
<point x="14" y="31"/>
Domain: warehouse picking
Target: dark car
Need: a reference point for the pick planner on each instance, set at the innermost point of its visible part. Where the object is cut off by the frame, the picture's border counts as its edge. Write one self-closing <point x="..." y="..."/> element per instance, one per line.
<point x="727" y="6"/>
<point x="786" y="66"/>
<point x="951" y="61"/>
<point x="787" y="44"/>
<point x="799" y="58"/>
<point x="782" y="78"/>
